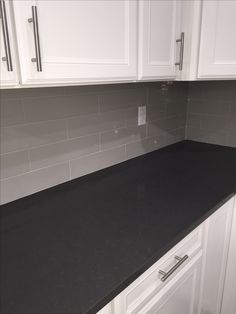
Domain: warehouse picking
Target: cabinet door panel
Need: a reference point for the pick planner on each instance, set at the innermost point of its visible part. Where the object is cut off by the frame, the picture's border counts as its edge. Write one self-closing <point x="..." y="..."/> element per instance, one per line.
<point x="217" y="245"/>
<point x="181" y="294"/>
<point x="217" y="44"/>
<point x="7" y="78"/>
<point x="229" y="298"/>
<point x="158" y="31"/>
<point x="81" y="41"/>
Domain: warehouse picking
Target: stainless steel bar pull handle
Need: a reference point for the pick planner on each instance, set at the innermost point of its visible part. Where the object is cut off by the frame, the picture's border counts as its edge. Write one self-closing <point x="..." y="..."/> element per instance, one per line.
<point x="166" y="275"/>
<point x="34" y="20"/>
<point x="181" y="51"/>
<point x="6" y="40"/>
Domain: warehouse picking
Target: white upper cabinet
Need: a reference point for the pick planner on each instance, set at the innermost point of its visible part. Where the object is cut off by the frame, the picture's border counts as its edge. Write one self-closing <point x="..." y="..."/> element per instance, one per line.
<point x="8" y="63"/>
<point x="159" y="27"/>
<point x="217" y="58"/>
<point x="66" y="42"/>
<point x="76" y="41"/>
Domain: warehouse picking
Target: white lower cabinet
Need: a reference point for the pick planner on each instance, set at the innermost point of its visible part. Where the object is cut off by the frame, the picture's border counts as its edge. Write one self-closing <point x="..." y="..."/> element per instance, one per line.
<point x="216" y="254"/>
<point x="197" y="283"/>
<point x="229" y="297"/>
<point x="181" y="293"/>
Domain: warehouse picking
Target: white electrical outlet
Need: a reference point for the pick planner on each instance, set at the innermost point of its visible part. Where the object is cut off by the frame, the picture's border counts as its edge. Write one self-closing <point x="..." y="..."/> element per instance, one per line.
<point x="141" y="115"/>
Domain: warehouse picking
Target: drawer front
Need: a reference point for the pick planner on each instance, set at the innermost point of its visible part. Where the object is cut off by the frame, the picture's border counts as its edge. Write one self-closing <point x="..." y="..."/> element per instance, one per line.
<point x="181" y="293"/>
<point x="148" y="284"/>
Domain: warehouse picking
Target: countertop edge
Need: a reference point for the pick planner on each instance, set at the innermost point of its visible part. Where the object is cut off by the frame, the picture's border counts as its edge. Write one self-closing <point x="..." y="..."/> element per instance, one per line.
<point x="157" y="256"/>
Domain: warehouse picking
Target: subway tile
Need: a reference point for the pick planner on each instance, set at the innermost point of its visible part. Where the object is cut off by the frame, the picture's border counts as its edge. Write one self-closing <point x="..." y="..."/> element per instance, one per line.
<point x="206" y="136"/>
<point x="142" y="147"/>
<point x="193" y="120"/>
<point x="131" y="116"/>
<point x="193" y="133"/>
<point x="209" y="106"/>
<point x="11" y="112"/>
<point x="32" y="182"/>
<point x="214" y="123"/>
<point x="122" y="136"/>
<point x="45" y="156"/>
<point x="44" y="108"/>
<point x="156" y="95"/>
<point x="164" y="92"/>
<point x="231" y="139"/>
<point x="153" y="143"/>
<point x="214" y="137"/>
<point x="163" y="126"/>
<point x="101" y="89"/>
<point x="22" y="137"/>
<point x="52" y="108"/>
<point x="123" y="99"/>
<point x="31" y="92"/>
<point x="97" y="161"/>
<point x="176" y="107"/>
<point x="232" y="123"/>
<point x="156" y="111"/>
<point x="84" y="125"/>
<point x="175" y="136"/>
<point x="13" y="164"/>
<point x="224" y="91"/>
<point x="233" y="108"/>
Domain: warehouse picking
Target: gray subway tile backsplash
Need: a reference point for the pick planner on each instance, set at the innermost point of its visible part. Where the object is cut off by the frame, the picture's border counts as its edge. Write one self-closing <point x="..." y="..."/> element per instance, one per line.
<point x="48" y="155"/>
<point x="122" y="136"/>
<point x="95" y="123"/>
<point x="211" y="112"/>
<point x="13" y="164"/>
<point x="25" y="136"/>
<point x="11" y="112"/>
<point x="97" y="161"/>
<point x="32" y="182"/>
<point x="51" y="135"/>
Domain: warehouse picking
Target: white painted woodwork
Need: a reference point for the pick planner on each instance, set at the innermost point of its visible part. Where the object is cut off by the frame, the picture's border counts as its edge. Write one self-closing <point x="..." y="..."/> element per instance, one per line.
<point x="147" y="286"/>
<point x="229" y="297"/>
<point x="217" y="57"/>
<point x="181" y="294"/>
<point x="159" y="27"/>
<point x="106" y="309"/>
<point x="81" y="41"/>
<point x="217" y="245"/>
<point x="8" y="79"/>
<point x="191" y="13"/>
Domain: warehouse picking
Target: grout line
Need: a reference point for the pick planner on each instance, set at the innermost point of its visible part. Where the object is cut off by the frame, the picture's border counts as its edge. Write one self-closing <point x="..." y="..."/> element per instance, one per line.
<point x="34" y="170"/>
<point x="29" y="160"/>
<point x="70" y="176"/>
<point x="49" y="144"/>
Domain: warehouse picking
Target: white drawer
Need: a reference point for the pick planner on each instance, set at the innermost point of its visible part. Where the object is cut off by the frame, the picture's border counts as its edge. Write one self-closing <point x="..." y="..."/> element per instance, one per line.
<point x="148" y="284"/>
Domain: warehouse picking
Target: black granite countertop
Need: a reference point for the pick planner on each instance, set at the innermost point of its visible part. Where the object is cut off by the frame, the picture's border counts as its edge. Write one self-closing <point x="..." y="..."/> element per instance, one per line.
<point x="72" y="248"/>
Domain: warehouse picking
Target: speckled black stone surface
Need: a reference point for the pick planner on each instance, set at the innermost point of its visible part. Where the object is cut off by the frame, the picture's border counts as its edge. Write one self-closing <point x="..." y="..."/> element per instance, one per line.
<point x="72" y="248"/>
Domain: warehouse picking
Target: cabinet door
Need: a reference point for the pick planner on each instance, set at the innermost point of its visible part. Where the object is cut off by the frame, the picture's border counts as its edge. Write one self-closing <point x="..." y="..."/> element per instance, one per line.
<point x="80" y="41"/>
<point x="8" y="64"/>
<point x="181" y="294"/>
<point x="229" y="298"/>
<point x="217" y="246"/>
<point x="217" y="43"/>
<point x="158" y="30"/>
